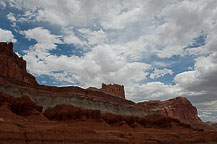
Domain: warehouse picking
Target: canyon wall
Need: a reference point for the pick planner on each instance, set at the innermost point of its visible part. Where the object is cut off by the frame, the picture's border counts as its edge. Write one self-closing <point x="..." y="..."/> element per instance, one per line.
<point x="49" y="97"/>
<point x="31" y="113"/>
<point x="16" y="81"/>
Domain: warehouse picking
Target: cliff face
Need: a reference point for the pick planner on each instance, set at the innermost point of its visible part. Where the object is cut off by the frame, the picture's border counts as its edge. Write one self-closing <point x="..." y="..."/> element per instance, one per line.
<point x="15" y="81"/>
<point x="49" y="97"/>
<point x="178" y="107"/>
<point x="32" y="113"/>
<point x="12" y="66"/>
<point x="22" y="122"/>
<point x="108" y="99"/>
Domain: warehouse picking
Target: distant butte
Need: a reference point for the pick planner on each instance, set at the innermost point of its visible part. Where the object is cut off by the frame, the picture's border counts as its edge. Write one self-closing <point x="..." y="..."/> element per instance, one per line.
<point x="32" y="113"/>
<point x="111" y="89"/>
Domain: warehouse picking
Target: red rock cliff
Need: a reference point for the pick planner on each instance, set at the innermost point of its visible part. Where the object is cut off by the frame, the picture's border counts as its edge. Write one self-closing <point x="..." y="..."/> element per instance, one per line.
<point x="110" y="98"/>
<point x="178" y="107"/>
<point x="12" y="66"/>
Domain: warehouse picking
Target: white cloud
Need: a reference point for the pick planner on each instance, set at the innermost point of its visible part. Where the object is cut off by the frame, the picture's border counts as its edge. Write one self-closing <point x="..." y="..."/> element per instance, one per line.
<point x="94" y="37"/>
<point x="114" y="14"/>
<point x="208" y="110"/>
<point x="11" y="17"/>
<point x="37" y="53"/>
<point x="2" y="4"/>
<point x="183" y="21"/>
<point x="41" y="35"/>
<point x="135" y="11"/>
<point x="170" y="33"/>
<point x="114" y="21"/>
<point x="102" y="64"/>
<point x="208" y="116"/>
<point x="71" y="38"/>
<point x="160" y="73"/>
<point x="202" y="78"/>
<point x="84" y="38"/>
<point x="152" y="90"/>
<point x="6" y="35"/>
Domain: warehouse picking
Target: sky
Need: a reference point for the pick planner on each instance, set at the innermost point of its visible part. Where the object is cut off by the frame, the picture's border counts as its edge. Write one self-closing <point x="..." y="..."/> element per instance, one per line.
<point x="157" y="49"/>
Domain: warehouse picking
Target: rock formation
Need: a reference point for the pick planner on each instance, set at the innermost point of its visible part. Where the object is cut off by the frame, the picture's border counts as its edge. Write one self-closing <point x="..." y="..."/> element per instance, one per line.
<point x="76" y="125"/>
<point x="109" y="99"/>
<point x="32" y="113"/>
<point x="15" y="108"/>
<point x="114" y="89"/>
<point x="12" y="66"/>
<point x="178" y="107"/>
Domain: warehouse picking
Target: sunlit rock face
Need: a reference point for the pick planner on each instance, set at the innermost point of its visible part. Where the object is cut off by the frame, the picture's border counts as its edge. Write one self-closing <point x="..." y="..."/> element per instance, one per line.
<point x="178" y="107"/>
<point x="12" y="66"/>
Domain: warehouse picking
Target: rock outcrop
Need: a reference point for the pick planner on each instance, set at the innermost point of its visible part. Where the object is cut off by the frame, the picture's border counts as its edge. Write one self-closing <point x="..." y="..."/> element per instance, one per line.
<point x="32" y="113"/>
<point x="108" y="99"/>
<point x="114" y="89"/>
<point x="24" y="106"/>
<point x="12" y="66"/>
<point x="69" y="124"/>
<point x="178" y="107"/>
<point x="14" y="108"/>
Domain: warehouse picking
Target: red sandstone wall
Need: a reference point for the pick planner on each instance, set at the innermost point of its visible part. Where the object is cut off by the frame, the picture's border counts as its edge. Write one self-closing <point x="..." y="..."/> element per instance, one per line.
<point x="178" y="107"/>
<point x="13" y="66"/>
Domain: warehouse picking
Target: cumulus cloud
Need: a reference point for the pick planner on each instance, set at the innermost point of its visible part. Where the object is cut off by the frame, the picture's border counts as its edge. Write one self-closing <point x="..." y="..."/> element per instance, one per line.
<point x="2" y="4"/>
<point x="11" y="17"/>
<point x="94" y="37"/>
<point x="71" y="38"/>
<point x="160" y="72"/>
<point x="153" y="90"/>
<point x="41" y="35"/>
<point x="114" y="14"/>
<point x="6" y="35"/>
<point x="102" y="64"/>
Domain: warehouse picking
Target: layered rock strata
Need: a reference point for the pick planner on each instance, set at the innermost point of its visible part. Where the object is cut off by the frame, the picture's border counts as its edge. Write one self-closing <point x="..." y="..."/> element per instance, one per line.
<point x="15" y="81"/>
<point x="13" y="66"/>
<point x="178" y="107"/>
<point x="32" y="113"/>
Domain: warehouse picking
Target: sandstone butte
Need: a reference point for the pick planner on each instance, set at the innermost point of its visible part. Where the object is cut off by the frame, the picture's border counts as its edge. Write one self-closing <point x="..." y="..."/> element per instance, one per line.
<point x="36" y="114"/>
